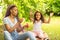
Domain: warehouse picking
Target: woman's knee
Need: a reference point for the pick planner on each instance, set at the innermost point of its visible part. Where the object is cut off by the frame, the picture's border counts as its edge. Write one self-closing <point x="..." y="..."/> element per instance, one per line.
<point x="30" y="33"/>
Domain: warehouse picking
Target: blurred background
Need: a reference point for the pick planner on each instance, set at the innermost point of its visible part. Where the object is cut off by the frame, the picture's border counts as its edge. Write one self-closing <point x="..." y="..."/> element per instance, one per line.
<point x="44" y="6"/>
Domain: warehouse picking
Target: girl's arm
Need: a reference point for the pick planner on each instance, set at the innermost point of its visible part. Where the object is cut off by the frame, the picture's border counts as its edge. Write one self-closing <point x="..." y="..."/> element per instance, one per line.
<point x="51" y="14"/>
<point x="45" y="21"/>
<point x="31" y="16"/>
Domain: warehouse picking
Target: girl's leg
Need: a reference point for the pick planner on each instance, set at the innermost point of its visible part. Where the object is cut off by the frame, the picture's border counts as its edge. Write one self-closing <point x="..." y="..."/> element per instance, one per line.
<point x="26" y="35"/>
<point x="40" y="36"/>
<point x="46" y="36"/>
<point x="39" y="39"/>
<point x="43" y="36"/>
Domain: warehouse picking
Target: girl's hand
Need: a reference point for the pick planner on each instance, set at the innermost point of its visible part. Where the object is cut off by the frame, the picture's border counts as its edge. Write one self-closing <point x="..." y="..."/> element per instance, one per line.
<point x="31" y="12"/>
<point x="51" y="14"/>
<point x="31" y="16"/>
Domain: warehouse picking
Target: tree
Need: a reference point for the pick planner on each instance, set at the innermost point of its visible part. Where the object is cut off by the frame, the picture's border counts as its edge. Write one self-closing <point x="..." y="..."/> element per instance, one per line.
<point x="24" y="6"/>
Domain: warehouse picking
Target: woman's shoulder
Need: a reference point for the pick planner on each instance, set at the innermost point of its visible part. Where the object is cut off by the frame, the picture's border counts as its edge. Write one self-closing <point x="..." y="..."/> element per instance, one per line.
<point x="6" y="18"/>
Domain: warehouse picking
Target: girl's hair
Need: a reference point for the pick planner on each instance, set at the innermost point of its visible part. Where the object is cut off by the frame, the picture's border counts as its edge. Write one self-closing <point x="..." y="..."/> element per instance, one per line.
<point x="8" y="10"/>
<point x="42" y="18"/>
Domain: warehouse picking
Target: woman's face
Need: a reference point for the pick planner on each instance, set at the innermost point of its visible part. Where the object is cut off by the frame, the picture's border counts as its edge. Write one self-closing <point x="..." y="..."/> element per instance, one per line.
<point x="38" y="16"/>
<point x="14" y="11"/>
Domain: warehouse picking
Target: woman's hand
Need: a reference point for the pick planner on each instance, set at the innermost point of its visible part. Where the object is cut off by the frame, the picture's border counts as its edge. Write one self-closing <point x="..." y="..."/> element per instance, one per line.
<point x="26" y="26"/>
<point x="16" y="25"/>
<point x="21" y="20"/>
<point x="11" y="29"/>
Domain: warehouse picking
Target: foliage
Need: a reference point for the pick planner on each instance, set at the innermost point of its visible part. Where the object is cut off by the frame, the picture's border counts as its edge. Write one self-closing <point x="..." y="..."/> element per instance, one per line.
<point x="24" y="6"/>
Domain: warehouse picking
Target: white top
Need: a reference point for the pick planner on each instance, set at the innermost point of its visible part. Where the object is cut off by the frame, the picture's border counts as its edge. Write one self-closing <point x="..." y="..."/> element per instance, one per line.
<point x="9" y="22"/>
<point x="37" y="25"/>
<point x="6" y="20"/>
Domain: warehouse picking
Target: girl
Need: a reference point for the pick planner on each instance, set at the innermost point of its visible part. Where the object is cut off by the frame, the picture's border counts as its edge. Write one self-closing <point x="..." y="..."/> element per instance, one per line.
<point x="11" y="24"/>
<point x="37" y="21"/>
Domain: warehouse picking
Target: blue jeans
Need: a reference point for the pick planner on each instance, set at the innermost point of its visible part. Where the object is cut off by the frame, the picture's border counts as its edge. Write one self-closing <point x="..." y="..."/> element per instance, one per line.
<point x="23" y="36"/>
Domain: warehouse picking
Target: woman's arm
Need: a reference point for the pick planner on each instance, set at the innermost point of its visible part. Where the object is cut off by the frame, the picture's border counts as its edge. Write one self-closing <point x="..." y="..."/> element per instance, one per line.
<point x="20" y="28"/>
<point x="51" y="14"/>
<point x="9" y="29"/>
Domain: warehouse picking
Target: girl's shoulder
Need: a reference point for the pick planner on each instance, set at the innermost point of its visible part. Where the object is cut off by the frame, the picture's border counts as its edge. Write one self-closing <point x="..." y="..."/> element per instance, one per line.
<point x="38" y="21"/>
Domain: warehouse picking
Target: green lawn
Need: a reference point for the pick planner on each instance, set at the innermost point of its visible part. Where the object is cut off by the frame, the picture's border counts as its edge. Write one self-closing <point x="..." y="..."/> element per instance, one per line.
<point x="52" y="29"/>
<point x="1" y="33"/>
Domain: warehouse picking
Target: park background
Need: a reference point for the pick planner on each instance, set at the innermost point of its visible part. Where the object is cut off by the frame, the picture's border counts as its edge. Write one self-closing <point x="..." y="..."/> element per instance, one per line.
<point x="24" y="7"/>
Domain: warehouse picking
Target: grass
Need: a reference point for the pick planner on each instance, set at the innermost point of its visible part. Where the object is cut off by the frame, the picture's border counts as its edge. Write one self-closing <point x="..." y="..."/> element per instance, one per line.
<point x="52" y="29"/>
<point x="1" y="33"/>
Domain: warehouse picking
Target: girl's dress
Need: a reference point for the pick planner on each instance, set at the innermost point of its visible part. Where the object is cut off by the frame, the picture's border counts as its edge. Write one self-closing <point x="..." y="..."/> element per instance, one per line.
<point x="38" y="30"/>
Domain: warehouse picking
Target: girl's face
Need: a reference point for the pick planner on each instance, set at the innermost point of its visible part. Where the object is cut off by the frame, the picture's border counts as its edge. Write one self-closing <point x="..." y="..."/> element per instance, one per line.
<point x="14" y="11"/>
<point x="38" y="16"/>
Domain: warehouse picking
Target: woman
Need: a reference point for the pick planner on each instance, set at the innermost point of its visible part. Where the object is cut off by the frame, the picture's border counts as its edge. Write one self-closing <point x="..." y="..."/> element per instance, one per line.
<point x="11" y="25"/>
